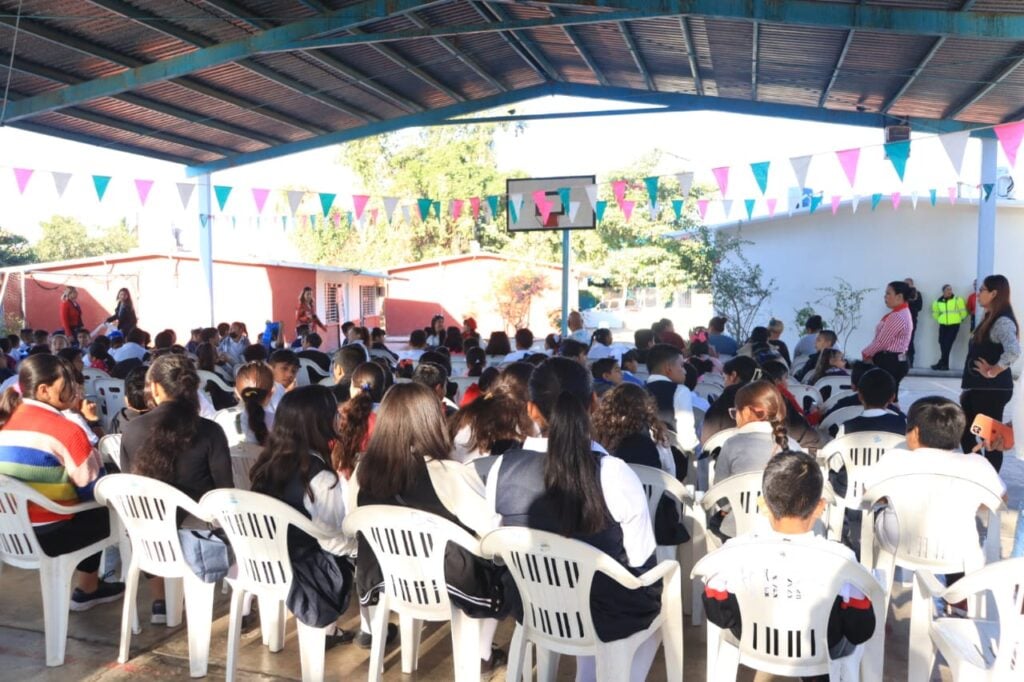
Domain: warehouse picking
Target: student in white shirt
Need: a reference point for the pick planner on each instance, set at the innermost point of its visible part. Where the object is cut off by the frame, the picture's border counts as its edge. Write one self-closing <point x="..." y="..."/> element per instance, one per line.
<point x="666" y="383"/>
<point x="524" y="346"/>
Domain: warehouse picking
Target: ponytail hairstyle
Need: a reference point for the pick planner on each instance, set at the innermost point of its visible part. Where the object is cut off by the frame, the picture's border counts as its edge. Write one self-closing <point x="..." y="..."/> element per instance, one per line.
<point x="303" y="424"/>
<point x="367" y="388"/>
<point x="765" y="401"/>
<point x="602" y="336"/>
<point x="744" y="367"/>
<point x="253" y="383"/>
<point x="177" y="428"/>
<point x="38" y="370"/>
<point x="562" y="392"/>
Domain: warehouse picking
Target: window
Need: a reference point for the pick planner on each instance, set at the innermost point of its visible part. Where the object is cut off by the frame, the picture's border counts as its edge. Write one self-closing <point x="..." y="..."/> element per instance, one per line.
<point x="367" y="301"/>
<point x="331" y="302"/>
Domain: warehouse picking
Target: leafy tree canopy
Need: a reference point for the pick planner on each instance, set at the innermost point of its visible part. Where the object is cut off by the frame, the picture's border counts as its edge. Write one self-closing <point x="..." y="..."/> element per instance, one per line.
<point x="65" y="237"/>
<point x="14" y="249"/>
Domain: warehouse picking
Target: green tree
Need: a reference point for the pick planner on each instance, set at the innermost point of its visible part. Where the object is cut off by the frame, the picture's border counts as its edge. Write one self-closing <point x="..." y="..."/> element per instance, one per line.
<point x="65" y="238"/>
<point x="738" y="287"/>
<point x="14" y="249"/>
<point x="844" y="303"/>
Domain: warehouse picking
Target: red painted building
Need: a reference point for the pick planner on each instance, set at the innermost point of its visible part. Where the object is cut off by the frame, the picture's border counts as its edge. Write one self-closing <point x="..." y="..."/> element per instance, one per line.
<point x="169" y="291"/>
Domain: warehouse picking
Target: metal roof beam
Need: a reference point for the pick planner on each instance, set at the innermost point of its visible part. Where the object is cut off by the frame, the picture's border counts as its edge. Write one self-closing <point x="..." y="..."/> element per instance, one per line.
<point x="401" y="61"/>
<point x="475" y="66"/>
<point x="691" y="55"/>
<point x="976" y="96"/>
<point x="531" y="48"/>
<point x="638" y="59"/>
<point x="584" y="53"/>
<point x="835" y="70"/>
<point x="510" y="40"/>
<point x="204" y="58"/>
<point x="98" y="142"/>
<point x="753" y="60"/>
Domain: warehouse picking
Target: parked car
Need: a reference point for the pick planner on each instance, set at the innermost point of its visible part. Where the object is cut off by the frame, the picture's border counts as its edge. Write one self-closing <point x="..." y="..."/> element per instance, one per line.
<point x="605" y="314"/>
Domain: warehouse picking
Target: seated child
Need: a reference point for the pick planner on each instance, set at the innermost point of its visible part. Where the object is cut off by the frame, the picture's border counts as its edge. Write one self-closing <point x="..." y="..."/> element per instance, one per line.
<point x="791" y="489"/>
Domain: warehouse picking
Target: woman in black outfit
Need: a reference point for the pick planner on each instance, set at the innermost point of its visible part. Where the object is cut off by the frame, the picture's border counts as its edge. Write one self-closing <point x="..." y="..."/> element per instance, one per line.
<point x="124" y="312"/>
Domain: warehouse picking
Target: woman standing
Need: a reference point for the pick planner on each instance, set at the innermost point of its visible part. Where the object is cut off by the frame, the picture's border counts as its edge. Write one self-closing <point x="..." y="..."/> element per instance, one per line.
<point x="949" y="311"/>
<point x="124" y="312"/>
<point x="305" y="313"/>
<point x="888" y="349"/>
<point x="987" y="383"/>
<point x="70" y="312"/>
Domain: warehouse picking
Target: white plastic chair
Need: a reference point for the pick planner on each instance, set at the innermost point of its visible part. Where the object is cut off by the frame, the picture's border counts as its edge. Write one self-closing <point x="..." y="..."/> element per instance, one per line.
<point x="91" y="374"/>
<point x="937" y="532"/>
<point x="742" y="493"/>
<point x="554" y="576"/>
<point x="785" y="591"/>
<point x="257" y="528"/>
<point x="206" y="376"/>
<point x="843" y="414"/>
<point x="656" y="483"/>
<point x="148" y="510"/>
<point x="834" y="383"/>
<point x="19" y="548"/>
<point x="409" y="546"/>
<point x="110" y="399"/>
<point x="305" y="366"/>
<point x="981" y="650"/>
<point x="835" y="396"/>
<point x="110" y="448"/>
<point x="709" y="451"/>
<point x="801" y="393"/>
<point x="708" y="391"/>
<point x="712" y="378"/>
<point x="243" y="456"/>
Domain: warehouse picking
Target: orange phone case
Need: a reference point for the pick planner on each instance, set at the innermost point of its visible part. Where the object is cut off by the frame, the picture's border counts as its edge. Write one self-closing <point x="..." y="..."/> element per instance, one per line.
<point x="988" y="428"/>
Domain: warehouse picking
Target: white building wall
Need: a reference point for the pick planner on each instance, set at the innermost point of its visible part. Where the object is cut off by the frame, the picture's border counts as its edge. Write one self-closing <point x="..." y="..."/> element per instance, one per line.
<point x="933" y="245"/>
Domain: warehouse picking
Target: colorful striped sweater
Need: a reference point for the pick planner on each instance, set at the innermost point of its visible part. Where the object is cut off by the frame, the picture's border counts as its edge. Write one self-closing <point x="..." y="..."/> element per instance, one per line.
<point x="43" y="448"/>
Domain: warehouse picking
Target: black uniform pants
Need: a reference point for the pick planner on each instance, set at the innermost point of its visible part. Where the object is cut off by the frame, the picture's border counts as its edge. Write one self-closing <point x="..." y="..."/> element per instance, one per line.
<point x="990" y="402"/>
<point x="892" y="364"/>
<point x="947" y="337"/>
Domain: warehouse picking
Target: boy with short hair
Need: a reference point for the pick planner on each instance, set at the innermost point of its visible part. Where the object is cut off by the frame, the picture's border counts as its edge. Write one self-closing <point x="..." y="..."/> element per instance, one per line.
<point x="630" y="364"/>
<point x="285" y="366"/>
<point x="666" y="383"/>
<point x="524" y="344"/>
<point x="792" y="489"/>
<point x="607" y="375"/>
<point x="875" y="390"/>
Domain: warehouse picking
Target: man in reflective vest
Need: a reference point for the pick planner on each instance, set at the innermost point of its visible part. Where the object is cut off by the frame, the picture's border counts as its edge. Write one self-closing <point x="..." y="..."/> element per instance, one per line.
<point x="949" y="311"/>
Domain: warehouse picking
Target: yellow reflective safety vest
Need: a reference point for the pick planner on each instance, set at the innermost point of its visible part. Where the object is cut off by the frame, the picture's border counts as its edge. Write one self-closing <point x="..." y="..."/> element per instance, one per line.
<point x="949" y="311"/>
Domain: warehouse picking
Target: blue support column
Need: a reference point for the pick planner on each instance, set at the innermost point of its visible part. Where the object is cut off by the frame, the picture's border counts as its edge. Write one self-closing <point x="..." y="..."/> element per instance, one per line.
<point x="566" y="257"/>
<point x="206" y="239"/>
<point x="987" y="213"/>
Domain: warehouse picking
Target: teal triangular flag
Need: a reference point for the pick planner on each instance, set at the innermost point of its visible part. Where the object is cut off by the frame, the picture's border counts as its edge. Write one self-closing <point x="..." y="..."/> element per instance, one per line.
<point x="749" y="203"/>
<point x="492" y="201"/>
<point x="988" y="189"/>
<point x="424" y="205"/>
<point x="100" y="182"/>
<point x="875" y="200"/>
<point x="815" y="202"/>
<point x="326" y="201"/>
<point x="760" y="171"/>
<point x="513" y="212"/>
<point x="898" y="153"/>
<point x="204" y="219"/>
<point x="222" y="192"/>
<point x="563" y="194"/>
<point x="437" y="209"/>
<point x="652" y="189"/>
<point x="599" y="209"/>
<point x="677" y="207"/>
<point x="932" y="195"/>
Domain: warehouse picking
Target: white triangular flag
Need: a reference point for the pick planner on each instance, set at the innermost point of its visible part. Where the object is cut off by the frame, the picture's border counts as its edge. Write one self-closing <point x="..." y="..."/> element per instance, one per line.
<point x="406" y="214"/>
<point x="854" y="201"/>
<point x="727" y="207"/>
<point x="801" y="164"/>
<point x="574" y="207"/>
<point x="390" y="203"/>
<point x="185" y="190"/>
<point x="913" y="200"/>
<point x="60" y="181"/>
<point x="516" y="203"/>
<point x="685" y="183"/>
<point x="294" y="199"/>
<point x="592" y="196"/>
<point x="653" y="209"/>
<point x="955" y="145"/>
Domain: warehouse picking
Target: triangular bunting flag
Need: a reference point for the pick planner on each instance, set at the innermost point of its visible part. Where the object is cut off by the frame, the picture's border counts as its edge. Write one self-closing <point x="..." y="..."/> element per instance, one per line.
<point x="848" y="159"/>
<point x="326" y="201"/>
<point x="259" y="197"/>
<point x="457" y="205"/>
<point x="933" y="196"/>
<point x="727" y="207"/>
<point x="492" y="203"/>
<point x="913" y="200"/>
<point x="987" y="188"/>
<point x="760" y="171"/>
<point x="294" y="199"/>
<point x="619" y="188"/>
<point x="591" y="191"/>
<point x="437" y="209"/>
<point x="677" y="208"/>
<point x="876" y="199"/>
<point x="800" y="166"/>
<point x="407" y="214"/>
<point x="391" y="202"/>
<point x="627" y="209"/>
<point x="543" y="204"/>
<point x="685" y="183"/>
<point x="100" y="183"/>
<point x="574" y="207"/>
<point x="22" y="176"/>
<point x="722" y="178"/>
<point x="653" y="210"/>
<point x="1010" y="135"/>
<point x="185" y="190"/>
<point x="359" y="202"/>
<point x="424" y="206"/>
<point x="563" y="194"/>
<point x="772" y="203"/>
<point x="898" y="153"/>
<point x="749" y="204"/>
<point x="836" y="200"/>
<point x="142" y="188"/>
<point x="702" y="207"/>
<point x="955" y="145"/>
<point x="895" y="201"/>
<point x="652" y="189"/>
<point x="952" y="193"/>
<point x="515" y="204"/>
<point x="815" y="202"/>
<point x="60" y="182"/>
<point x="204" y="219"/>
<point x="222" y="192"/>
<point x="599" y="210"/>
<point x="474" y="205"/>
<point x="854" y="202"/>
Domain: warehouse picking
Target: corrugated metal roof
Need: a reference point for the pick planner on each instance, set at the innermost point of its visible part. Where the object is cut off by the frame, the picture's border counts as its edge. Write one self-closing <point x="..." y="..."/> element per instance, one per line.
<point x="877" y="61"/>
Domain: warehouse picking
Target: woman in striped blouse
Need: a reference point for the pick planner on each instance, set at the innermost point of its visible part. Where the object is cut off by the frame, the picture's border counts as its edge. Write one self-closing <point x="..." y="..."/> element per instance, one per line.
<point x="888" y="349"/>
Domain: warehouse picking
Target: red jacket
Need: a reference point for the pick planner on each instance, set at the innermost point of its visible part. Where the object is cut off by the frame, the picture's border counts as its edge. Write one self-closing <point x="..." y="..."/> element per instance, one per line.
<point x="70" y="317"/>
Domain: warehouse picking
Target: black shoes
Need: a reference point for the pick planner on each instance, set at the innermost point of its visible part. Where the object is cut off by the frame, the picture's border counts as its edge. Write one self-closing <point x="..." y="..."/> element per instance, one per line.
<point x="365" y="640"/>
<point x="105" y="593"/>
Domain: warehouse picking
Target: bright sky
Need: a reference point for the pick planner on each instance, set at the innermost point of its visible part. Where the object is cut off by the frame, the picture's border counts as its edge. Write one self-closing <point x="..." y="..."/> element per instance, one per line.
<point x="694" y="141"/>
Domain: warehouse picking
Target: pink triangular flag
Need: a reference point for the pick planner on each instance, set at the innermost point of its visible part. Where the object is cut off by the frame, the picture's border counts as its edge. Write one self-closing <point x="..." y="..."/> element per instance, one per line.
<point x="619" y="187"/>
<point x="836" y="199"/>
<point x="848" y="159"/>
<point x="359" y="204"/>
<point x="142" y="187"/>
<point x="457" y="208"/>
<point x="952" y="195"/>
<point x="772" y="203"/>
<point x="1010" y="136"/>
<point x="474" y="205"/>
<point x="627" y="209"/>
<point x="22" y="176"/>
<point x="702" y="207"/>
<point x="540" y="199"/>
<point x="895" y="200"/>
<point x="259" y="196"/>
<point x="722" y="178"/>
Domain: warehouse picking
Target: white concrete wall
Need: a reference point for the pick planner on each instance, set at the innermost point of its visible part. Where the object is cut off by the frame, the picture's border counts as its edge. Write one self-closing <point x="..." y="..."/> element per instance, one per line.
<point x="934" y="245"/>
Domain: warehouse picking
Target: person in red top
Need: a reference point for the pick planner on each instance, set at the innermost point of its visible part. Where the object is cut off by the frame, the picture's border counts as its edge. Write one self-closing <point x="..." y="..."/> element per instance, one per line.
<point x="305" y="313"/>
<point x="888" y="349"/>
<point x="972" y="303"/>
<point x="70" y="312"/>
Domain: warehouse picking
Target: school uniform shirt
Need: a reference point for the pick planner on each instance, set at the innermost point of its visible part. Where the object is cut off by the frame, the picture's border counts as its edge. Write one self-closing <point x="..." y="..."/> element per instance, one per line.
<point x="233" y="348"/>
<point x="129" y="351"/>
<point x="874" y="419"/>
<point x="805" y="346"/>
<point x="749" y="449"/>
<point x="235" y="423"/>
<point x="413" y="354"/>
<point x="581" y="335"/>
<point x="276" y="395"/>
<point x="631" y="378"/>
<point x="685" y="424"/>
<point x="517" y="355"/>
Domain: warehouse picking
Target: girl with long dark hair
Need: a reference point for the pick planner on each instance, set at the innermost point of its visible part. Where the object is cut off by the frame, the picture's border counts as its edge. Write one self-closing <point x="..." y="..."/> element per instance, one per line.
<point x="626" y="423"/>
<point x="124" y="312"/>
<point x="563" y="482"/>
<point x="490" y="425"/>
<point x="305" y="312"/>
<point x="252" y="419"/>
<point x="358" y="416"/>
<point x="206" y="360"/>
<point x="994" y="346"/>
